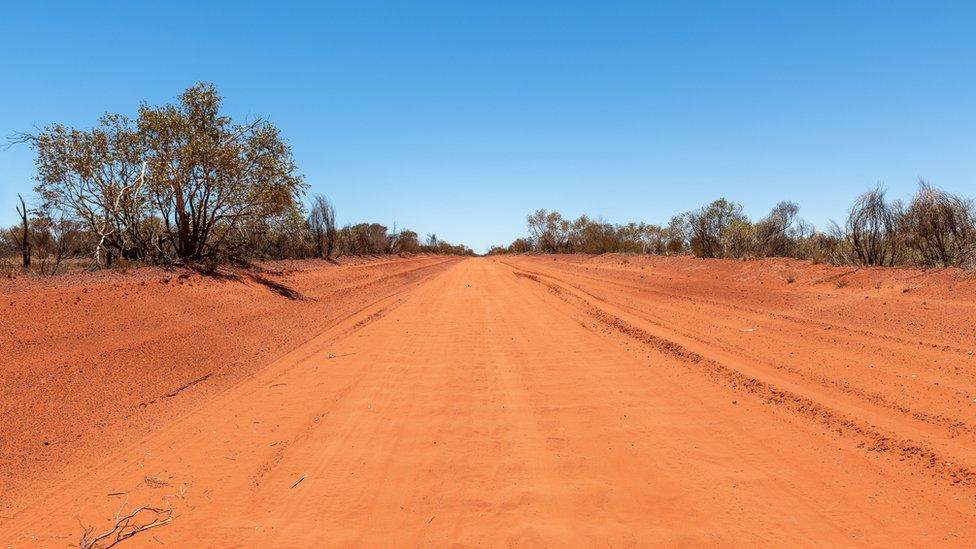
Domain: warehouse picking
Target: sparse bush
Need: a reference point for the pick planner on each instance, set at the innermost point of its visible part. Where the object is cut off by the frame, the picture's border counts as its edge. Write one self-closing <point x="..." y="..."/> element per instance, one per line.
<point x="56" y="240"/>
<point x="657" y="240"/>
<point x="937" y="229"/>
<point x="549" y="231"/>
<point x="710" y="227"/>
<point x="776" y="234"/>
<point x="280" y="236"/>
<point x="520" y="246"/>
<point x="677" y="235"/>
<point x="740" y="239"/>
<point x="823" y="248"/>
<point x="43" y="243"/>
<point x="873" y="229"/>
<point x="406" y="241"/>
<point x="373" y="239"/>
<point x="322" y="226"/>
<point x="940" y="228"/>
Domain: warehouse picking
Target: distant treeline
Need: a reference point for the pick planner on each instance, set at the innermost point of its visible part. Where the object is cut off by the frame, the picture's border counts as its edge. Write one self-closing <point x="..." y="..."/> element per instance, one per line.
<point x="935" y="229"/>
<point x="180" y="184"/>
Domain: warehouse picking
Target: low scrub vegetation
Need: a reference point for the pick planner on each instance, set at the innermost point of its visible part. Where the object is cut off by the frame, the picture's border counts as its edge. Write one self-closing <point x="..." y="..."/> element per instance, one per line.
<point x="180" y="184"/>
<point x="935" y="229"/>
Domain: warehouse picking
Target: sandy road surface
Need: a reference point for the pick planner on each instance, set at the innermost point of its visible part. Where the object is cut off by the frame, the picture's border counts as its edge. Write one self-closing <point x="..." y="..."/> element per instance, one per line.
<point x="527" y="401"/>
<point x="91" y="362"/>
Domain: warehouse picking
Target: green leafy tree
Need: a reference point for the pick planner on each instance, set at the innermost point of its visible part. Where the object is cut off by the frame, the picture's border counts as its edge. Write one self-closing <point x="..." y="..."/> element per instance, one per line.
<point x="207" y="174"/>
<point x="176" y="184"/>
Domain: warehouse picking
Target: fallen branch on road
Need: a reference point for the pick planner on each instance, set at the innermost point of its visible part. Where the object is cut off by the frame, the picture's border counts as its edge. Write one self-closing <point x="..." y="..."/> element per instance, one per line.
<point x="125" y="527"/>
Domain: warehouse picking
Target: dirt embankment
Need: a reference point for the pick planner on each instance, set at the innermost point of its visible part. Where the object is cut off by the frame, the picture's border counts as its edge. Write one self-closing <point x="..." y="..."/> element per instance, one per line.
<point x="91" y="362"/>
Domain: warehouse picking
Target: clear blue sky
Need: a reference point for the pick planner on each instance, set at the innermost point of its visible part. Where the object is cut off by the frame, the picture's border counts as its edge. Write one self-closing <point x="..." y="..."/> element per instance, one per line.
<point x="461" y="117"/>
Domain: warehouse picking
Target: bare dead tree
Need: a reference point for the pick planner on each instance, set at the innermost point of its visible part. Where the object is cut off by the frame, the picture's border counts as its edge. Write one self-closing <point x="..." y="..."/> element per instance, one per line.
<point x="23" y="240"/>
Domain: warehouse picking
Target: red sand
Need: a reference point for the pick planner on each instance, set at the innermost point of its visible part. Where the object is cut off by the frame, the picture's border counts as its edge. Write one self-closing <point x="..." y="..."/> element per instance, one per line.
<point x="538" y="400"/>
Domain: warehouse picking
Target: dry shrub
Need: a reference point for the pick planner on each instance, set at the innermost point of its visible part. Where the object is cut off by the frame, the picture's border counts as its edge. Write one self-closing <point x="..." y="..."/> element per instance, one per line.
<point x="774" y="234"/>
<point x="710" y="227"/>
<point x="873" y="229"/>
<point x="937" y="229"/>
<point x="7" y="269"/>
<point x="940" y="228"/>
<point x="832" y="247"/>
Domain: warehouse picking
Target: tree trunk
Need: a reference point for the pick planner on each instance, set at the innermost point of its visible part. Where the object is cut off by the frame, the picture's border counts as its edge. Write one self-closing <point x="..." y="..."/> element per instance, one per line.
<point x="25" y="246"/>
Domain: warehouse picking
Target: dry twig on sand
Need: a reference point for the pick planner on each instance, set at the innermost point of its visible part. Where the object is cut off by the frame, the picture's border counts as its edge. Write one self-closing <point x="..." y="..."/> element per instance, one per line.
<point x="125" y="527"/>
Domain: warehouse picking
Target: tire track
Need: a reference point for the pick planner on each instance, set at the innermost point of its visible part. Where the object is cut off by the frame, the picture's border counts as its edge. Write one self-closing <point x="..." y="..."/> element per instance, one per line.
<point x="864" y="436"/>
<point x="953" y="426"/>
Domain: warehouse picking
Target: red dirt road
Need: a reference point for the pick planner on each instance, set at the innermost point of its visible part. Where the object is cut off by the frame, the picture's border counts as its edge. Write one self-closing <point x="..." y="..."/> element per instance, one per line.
<point x="576" y="401"/>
